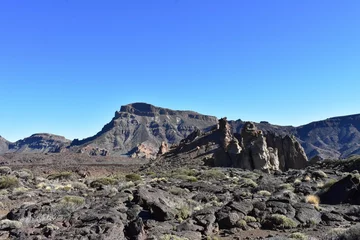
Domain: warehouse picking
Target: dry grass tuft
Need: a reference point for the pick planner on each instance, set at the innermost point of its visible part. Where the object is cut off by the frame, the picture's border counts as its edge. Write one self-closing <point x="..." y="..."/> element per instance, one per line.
<point x="313" y="199"/>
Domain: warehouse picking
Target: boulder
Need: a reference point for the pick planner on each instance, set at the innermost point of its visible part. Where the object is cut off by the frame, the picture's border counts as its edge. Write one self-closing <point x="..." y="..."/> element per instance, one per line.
<point x="164" y="148"/>
<point x="343" y="191"/>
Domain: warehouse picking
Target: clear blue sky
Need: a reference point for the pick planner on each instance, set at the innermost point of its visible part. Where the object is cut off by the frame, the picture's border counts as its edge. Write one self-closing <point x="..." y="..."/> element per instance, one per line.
<point x="67" y="65"/>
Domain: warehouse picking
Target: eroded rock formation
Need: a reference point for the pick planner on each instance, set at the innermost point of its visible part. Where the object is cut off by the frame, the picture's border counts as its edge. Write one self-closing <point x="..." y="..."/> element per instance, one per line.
<point x="252" y="149"/>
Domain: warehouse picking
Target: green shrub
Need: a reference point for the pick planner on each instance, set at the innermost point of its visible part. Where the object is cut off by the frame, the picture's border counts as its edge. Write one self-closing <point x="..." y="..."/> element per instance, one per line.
<point x="212" y="174"/>
<point x="264" y="193"/>
<point x="241" y="224"/>
<point x="183" y="212"/>
<point x="132" y="177"/>
<point x="250" y="219"/>
<point x="60" y="176"/>
<point x="279" y="221"/>
<point x="8" y="182"/>
<point x="299" y="236"/>
<point x="247" y="182"/>
<point x="100" y="182"/>
<point x="186" y="178"/>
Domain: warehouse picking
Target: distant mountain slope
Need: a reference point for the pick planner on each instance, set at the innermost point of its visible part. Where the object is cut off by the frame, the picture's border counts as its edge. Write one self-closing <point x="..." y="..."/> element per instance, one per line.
<point x="337" y="137"/>
<point x="39" y="143"/>
<point x="4" y="145"/>
<point x="140" y="128"/>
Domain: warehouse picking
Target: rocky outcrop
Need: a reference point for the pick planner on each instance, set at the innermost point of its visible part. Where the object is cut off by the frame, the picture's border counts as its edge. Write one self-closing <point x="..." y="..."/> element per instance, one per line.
<point x="251" y="150"/>
<point x="291" y="154"/>
<point x="256" y="153"/>
<point x="164" y="148"/>
<point x="345" y="190"/>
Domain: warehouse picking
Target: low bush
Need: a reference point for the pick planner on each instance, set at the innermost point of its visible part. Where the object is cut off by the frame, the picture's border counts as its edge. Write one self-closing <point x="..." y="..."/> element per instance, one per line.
<point x="247" y="182"/>
<point x="8" y="182"/>
<point x="60" y="176"/>
<point x="132" y="177"/>
<point x="313" y="199"/>
<point x="278" y="221"/>
<point x="212" y="174"/>
<point x="100" y="182"/>
<point x="298" y="236"/>
<point x="264" y="193"/>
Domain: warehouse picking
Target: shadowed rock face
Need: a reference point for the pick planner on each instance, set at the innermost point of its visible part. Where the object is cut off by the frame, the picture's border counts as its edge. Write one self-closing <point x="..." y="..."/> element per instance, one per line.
<point x="138" y="129"/>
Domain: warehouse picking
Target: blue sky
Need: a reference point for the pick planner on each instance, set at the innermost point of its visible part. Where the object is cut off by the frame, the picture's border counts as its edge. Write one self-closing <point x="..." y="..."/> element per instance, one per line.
<point x="66" y="66"/>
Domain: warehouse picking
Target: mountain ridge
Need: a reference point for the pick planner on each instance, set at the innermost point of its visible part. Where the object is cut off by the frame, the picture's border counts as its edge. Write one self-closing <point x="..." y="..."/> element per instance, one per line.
<point x="140" y="128"/>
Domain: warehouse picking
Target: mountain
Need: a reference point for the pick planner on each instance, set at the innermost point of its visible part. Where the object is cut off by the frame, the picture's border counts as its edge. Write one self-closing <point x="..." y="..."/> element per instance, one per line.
<point x="138" y="129"/>
<point x="337" y="137"/>
<point x="37" y="143"/>
<point x="4" y="145"/>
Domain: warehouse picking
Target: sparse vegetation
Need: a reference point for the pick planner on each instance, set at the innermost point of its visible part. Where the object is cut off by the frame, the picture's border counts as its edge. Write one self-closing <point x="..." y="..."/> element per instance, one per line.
<point x="186" y="178"/>
<point x="286" y="186"/>
<point x="247" y="182"/>
<point x="313" y="199"/>
<point x="298" y="236"/>
<point x="100" y="182"/>
<point x="60" y="176"/>
<point x="241" y="224"/>
<point x="264" y="193"/>
<point x="133" y="177"/>
<point x="250" y="219"/>
<point x="280" y="221"/>
<point x="8" y="182"/>
<point x="183" y="212"/>
<point x="213" y="174"/>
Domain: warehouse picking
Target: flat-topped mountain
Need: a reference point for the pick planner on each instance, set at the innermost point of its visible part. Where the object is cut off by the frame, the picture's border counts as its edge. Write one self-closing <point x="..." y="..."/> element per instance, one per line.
<point x="138" y="129"/>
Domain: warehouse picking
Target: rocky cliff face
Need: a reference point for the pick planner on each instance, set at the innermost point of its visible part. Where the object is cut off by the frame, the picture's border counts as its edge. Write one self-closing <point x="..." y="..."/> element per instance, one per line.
<point x="138" y="129"/>
<point x="251" y="150"/>
<point x="39" y="143"/>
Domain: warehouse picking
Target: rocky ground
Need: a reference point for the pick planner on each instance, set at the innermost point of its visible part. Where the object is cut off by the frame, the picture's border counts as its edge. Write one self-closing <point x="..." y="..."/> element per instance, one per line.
<point x="154" y="201"/>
